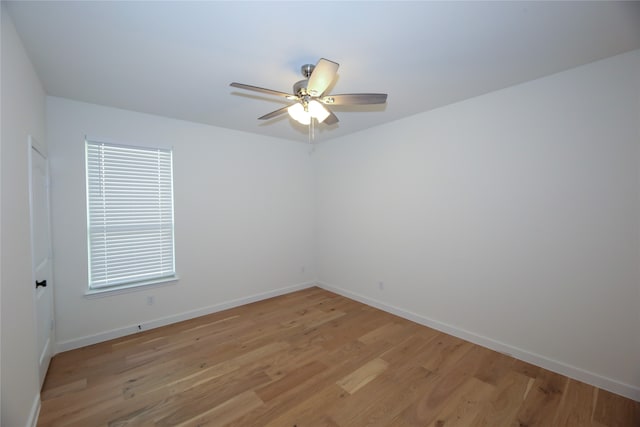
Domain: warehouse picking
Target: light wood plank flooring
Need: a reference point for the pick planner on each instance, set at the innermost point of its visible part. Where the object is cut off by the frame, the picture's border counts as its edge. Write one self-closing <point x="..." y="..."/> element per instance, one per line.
<point x="312" y="358"/>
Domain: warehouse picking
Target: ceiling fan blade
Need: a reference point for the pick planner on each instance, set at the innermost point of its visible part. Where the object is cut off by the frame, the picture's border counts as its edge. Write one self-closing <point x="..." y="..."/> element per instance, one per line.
<point x="322" y="76"/>
<point x="331" y="119"/>
<point x="355" y="99"/>
<point x="263" y="90"/>
<point x="273" y="114"/>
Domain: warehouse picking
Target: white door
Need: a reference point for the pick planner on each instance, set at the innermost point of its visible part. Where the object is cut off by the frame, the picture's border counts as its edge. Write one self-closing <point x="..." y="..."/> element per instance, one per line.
<point x="41" y="250"/>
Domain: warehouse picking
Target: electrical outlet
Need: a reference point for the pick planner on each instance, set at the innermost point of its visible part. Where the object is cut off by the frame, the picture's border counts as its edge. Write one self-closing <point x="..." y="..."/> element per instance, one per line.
<point x="151" y="300"/>
<point x="302" y="269"/>
<point x="381" y="286"/>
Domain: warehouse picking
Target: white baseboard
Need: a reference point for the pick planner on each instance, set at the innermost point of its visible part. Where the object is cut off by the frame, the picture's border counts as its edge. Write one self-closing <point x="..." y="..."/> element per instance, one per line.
<point x="579" y="374"/>
<point x="35" y="412"/>
<point x="132" y="329"/>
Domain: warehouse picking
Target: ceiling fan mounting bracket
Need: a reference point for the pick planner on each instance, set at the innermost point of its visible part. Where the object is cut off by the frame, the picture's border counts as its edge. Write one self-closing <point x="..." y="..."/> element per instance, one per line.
<point x="307" y="69"/>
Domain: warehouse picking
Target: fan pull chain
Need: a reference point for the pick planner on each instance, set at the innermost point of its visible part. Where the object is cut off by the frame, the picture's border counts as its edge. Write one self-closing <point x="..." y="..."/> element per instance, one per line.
<point x="312" y="136"/>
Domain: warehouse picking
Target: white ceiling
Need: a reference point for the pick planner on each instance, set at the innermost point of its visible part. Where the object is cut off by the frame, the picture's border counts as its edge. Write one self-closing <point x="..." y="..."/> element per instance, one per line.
<point x="176" y="59"/>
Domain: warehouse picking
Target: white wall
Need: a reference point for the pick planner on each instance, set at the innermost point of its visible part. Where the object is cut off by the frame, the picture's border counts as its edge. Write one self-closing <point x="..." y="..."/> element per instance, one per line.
<point x="243" y="211"/>
<point x="511" y="219"/>
<point x="23" y="113"/>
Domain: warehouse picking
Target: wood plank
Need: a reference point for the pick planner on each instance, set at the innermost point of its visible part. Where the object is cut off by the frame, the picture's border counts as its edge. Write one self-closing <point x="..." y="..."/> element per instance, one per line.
<point x="494" y="367"/>
<point x="294" y="404"/>
<point x="73" y="386"/>
<point x="577" y="406"/>
<point x="386" y="397"/>
<point x="392" y="332"/>
<point x="292" y="380"/>
<point x="465" y="405"/>
<point x="363" y="375"/>
<point x="505" y="402"/>
<point x="445" y="352"/>
<point x="447" y="383"/>
<point x="316" y="404"/>
<point x="226" y="412"/>
<point x="613" y="411"/>
<point x="542" y="401"/>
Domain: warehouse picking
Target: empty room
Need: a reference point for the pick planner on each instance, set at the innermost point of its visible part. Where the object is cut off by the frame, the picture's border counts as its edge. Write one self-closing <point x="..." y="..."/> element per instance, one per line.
<point x="318" y="213"/>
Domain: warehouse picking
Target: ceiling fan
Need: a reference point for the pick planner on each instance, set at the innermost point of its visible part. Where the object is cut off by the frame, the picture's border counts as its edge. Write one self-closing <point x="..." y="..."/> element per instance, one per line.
<point x="310" y="98"/>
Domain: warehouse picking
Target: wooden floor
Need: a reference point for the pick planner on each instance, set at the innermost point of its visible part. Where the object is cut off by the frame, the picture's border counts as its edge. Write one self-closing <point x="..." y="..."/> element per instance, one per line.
<point x="312" y="358"/>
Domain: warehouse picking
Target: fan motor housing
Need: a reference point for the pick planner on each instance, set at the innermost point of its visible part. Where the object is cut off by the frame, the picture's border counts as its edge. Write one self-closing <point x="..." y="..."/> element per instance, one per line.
<point x="300" y="88"/>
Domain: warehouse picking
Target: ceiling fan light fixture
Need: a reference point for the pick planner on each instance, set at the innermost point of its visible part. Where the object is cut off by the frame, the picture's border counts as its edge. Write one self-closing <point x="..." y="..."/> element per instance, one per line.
<point x="318" y="111"/>
<point x="309" y="94"/>
<point x="299" y="114"/>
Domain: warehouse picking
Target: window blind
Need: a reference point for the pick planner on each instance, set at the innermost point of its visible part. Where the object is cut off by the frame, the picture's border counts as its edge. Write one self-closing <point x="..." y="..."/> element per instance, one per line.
<point x="130" y="214"/>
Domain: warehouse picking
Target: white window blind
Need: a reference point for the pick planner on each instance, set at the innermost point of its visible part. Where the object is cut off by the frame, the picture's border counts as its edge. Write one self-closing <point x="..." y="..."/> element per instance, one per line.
<point x="130" y="214"/>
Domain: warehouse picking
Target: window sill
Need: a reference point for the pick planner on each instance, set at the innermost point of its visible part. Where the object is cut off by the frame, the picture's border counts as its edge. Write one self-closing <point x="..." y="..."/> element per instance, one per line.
<point x="135" y="287"/>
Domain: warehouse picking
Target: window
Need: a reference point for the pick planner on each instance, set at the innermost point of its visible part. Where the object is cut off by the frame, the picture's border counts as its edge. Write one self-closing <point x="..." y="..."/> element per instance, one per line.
<point x="130" y="215"/>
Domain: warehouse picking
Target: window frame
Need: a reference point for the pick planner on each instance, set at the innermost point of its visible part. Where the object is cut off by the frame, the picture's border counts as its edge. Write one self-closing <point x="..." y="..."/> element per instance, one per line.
<point x="129" y="285"/>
